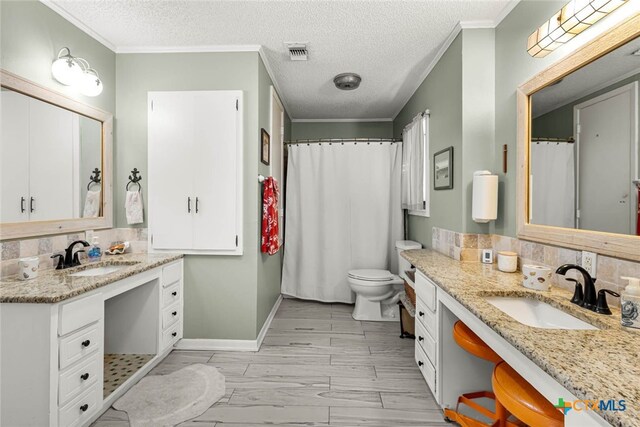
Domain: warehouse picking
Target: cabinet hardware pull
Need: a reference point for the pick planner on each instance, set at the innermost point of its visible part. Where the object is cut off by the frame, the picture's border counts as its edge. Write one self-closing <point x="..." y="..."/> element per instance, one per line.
<point x="84" y="376"/>
<point x="86" y="343"/>
<point x="32" y="204"/>
<point x="84" y="407"/>
<point x="174" y="334"/>
<point x="420" y="363"/>
<point x="175" y="313"/>
<point x="197" y="204"/>
<point x="420" y="338"/>
<point x="22" y="208"/>
<point x="174" y="293"/>
<point x="188" y="204"/>
<point x="421" y="313"/>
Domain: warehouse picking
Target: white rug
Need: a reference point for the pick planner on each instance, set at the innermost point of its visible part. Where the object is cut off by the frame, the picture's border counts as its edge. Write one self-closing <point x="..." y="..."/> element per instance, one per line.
<point x="167" y="400"/>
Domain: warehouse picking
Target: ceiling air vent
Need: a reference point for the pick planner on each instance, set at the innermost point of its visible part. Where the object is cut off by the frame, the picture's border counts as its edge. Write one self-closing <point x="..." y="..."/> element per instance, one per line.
<point x="298" y="51"/>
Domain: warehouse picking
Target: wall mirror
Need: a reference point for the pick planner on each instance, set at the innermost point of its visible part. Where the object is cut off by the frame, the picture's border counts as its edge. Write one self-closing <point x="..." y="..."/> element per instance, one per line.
<point x="55" y="162"/>
<point x="579" y="172"/>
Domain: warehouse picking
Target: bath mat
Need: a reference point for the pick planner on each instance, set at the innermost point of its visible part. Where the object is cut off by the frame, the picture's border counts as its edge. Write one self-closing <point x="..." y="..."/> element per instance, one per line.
<point x="167" y="400"/>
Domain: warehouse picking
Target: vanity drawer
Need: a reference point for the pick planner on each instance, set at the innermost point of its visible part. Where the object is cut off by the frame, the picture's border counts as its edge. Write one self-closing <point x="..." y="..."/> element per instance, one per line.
<point x="171" y="315"/>
<point x="426" y="368"/>
<point x="426" y="342"/>
<point x="171" y="335"/>
<point x="171" y="274"/>
<point x="427" y="318"/>
<point x="79" y="378"/>
<point x="171" y="295"/>
<point x="79" y="344"/>
<point x="426" y="290"/>
<point x="79" y="410"/>
<point x="77" y="314"/>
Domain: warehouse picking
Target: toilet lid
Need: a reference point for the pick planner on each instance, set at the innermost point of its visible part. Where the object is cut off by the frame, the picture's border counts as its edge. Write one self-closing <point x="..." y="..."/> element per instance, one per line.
<point x="371" y="275"/>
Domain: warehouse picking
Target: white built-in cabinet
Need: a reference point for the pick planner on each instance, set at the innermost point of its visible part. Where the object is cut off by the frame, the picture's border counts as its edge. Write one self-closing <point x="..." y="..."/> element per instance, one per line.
<point x="195" y="171"/>
<point x="39" y="147"/>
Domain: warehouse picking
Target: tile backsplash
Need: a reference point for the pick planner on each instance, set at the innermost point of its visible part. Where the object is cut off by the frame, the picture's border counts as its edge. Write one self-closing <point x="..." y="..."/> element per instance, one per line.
<point x="45" y="246"/>
<point x="468" y="248"/>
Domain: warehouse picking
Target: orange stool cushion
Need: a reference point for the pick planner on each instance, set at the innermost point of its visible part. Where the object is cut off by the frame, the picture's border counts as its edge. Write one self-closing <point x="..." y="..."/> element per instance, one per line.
<point x="522" y="400"/>
<point x="472" y="343"/>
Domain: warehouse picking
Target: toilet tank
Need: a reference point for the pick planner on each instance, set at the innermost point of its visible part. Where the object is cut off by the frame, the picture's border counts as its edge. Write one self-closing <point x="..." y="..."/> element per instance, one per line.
<point x="403" y="245"/>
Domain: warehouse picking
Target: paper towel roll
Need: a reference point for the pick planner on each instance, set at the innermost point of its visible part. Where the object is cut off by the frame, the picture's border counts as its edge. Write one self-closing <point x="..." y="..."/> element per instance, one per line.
<point x="485" y="197"/>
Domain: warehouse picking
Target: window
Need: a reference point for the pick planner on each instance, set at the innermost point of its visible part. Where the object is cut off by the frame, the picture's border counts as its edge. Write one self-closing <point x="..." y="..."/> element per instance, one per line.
<point x="415" y="166"/>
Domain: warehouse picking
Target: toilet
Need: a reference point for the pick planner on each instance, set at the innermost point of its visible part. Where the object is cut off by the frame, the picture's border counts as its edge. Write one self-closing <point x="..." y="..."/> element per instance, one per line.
<point x="378" y="291"/>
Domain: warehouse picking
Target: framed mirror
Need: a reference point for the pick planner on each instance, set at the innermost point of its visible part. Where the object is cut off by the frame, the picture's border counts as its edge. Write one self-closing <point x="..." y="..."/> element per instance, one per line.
<point x="578" y="148"/>
<point x="55" y="162"/>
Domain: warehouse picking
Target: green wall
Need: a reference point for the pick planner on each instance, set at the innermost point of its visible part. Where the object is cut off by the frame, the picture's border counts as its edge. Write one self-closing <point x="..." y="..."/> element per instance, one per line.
<point x="324" y="130"/>
<point x="31" y="34"/>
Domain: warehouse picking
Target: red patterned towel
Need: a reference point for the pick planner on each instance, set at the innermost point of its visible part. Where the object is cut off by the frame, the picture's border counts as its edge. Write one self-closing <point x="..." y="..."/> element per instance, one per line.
<point x="270" y="239"/>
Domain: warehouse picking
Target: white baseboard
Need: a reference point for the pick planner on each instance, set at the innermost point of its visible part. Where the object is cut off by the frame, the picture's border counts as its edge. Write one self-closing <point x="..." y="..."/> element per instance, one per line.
<point x="231" y="345"/>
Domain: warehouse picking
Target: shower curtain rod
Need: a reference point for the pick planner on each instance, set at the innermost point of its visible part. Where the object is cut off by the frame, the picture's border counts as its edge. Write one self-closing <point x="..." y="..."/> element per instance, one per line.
<point x="420" y="114"/>
<point x="569" y="140"/>
<point x="340" y="141"/>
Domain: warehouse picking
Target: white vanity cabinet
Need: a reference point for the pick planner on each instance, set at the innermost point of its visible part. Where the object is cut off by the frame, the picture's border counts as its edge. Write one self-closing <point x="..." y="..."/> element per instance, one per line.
<point x="52" y="356"/>
<point x="195" y="172"/>
<point x="426" y="351"/>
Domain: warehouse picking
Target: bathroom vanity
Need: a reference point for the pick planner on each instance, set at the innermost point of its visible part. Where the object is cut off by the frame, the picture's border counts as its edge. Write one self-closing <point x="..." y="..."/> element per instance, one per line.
<point x="571" y="360"/>
<point x="73" y="341"/>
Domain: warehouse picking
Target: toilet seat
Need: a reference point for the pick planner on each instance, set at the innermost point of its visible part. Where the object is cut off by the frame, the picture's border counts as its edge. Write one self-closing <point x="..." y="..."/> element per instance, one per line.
<point x="372" y="275"/>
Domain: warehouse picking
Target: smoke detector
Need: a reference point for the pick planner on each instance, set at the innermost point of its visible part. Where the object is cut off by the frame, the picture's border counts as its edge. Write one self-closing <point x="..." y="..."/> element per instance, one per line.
<point x="298" y="51"/>
<point x="347" y="81"/>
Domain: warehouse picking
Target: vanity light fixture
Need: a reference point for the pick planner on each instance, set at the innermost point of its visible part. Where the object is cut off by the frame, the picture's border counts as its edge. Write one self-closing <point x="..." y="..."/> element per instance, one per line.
<point x="73" y="71"/>
<point x="575" y="17"/>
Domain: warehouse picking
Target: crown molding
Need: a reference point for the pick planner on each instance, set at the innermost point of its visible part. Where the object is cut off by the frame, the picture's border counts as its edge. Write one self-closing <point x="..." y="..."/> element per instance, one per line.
<point x="189" y="49"/>
<point x="276" y="85"/>
<point x="75" y="21"/>
<point x="476" y="24"/>
<point x="505" y="12"/>
<point x="341" y="120"/>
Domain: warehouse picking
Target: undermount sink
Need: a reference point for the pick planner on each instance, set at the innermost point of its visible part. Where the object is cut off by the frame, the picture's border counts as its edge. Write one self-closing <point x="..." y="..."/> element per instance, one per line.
<point x="98" y="271"/>
<point x="537" y="314"/>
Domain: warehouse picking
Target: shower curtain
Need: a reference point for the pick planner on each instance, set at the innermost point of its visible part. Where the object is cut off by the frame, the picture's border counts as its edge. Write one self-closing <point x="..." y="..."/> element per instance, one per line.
<point x="343" y="212"/>
<point x="553" y="184"/>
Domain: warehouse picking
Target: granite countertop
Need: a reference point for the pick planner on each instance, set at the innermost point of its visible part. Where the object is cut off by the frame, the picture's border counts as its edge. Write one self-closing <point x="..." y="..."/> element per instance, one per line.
<point x="52" y="286"/>
<point x="591" y="364"/>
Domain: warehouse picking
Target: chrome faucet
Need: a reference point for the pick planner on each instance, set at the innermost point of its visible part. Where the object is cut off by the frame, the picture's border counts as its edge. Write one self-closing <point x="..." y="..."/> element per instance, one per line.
<point x="71" y="258"/>
<point x="588" y="301"/>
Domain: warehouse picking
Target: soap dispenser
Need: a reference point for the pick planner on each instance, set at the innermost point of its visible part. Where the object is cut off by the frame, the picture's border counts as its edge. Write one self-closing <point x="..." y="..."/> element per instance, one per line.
<point x="95" y="253"/>
<point x="630" y="303"/>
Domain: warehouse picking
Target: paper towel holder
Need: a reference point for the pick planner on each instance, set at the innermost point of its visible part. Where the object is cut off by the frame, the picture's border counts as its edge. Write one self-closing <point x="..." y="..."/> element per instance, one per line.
<point x="484" y="206"/>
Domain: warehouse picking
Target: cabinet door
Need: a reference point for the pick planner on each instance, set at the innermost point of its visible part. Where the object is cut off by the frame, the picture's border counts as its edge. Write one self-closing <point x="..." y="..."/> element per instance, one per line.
<point x="53" y="134"/>
<point x="216" y="183"/>
<point x="14" y="157"/>
<point x="171" y="169"/>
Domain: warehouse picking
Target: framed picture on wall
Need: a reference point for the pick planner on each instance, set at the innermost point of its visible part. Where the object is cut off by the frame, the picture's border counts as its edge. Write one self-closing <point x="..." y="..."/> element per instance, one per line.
<point x="443" y="169"/>
<point x="265" y="151"/>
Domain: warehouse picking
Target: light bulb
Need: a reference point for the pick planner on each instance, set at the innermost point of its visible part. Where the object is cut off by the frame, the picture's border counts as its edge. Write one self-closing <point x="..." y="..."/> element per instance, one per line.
<point x="91" y="85"/>
<point x="66" y="70"/>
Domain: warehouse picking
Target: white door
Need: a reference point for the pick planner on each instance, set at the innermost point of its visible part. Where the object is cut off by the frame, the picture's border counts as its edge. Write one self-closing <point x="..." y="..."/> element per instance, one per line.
<point x="215" y="167"/>
<point x="51" y="170"/>
<point x="606" y="155"/>
<point x="14" y="157"/>
<point x="277" y="153"/>
<point x="171" y="169"/>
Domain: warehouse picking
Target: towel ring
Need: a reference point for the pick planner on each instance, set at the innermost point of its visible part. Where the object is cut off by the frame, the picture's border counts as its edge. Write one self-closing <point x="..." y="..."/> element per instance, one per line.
<point x="94" y="178"/>
<point x="134" y="179"/>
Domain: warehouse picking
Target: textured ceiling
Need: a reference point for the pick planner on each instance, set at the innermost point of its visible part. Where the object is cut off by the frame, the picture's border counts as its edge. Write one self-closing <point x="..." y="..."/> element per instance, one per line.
<point x="616" y="65"/>
<point x="389" y="43"/>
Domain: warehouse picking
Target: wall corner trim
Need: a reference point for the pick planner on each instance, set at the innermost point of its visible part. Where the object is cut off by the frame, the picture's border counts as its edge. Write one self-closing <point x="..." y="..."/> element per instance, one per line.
<point x="231" y="345"/>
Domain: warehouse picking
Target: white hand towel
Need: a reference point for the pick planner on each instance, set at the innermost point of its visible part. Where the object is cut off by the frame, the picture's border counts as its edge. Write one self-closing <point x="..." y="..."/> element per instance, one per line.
<point x="134" y="207"/>
<point x="92" y="204"/>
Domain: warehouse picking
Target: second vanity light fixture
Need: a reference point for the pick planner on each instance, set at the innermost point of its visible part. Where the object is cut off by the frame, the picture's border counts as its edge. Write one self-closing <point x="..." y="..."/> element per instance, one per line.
<point x="575" y="17"/>
<point x="73" y="71"/>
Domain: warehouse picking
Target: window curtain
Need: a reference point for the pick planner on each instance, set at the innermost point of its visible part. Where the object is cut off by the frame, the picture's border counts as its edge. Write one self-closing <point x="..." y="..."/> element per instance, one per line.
<point x="413" y="164"/>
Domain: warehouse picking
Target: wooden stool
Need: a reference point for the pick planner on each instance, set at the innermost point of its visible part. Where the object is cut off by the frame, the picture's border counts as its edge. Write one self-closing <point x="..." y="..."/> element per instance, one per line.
<point x="515" y="396"/>
<point x="469" y="341"/>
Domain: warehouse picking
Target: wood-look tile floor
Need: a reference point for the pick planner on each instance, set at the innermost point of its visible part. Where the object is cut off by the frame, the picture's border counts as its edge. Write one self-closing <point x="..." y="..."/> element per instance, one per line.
<point x="316" y="367"/>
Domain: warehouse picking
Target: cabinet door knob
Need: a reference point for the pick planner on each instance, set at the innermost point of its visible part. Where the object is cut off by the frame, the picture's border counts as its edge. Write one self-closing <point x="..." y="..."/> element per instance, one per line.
<point x="84" y="407"/>
<point x="174" y="293"/>
<point x="420" y="339"/>
<point x="174" y="334"/>
<point x="86" y="343"/>
<point x="421" y="313"/>
<point x="188" y="204"/>
<point x="420" y="363"/>
<point x="32" y="204"/>
<point x="85" y="376"/>
<point x="175" y="313"/>
<point x="197" y="201"/>
<point x="22" y="208"/>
